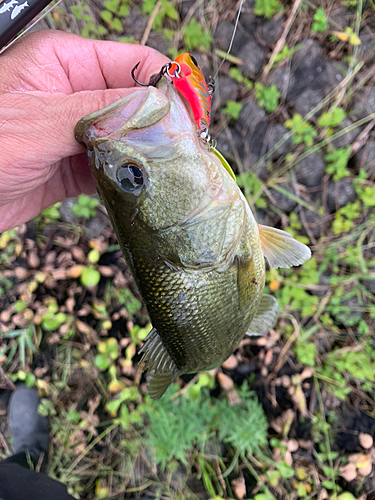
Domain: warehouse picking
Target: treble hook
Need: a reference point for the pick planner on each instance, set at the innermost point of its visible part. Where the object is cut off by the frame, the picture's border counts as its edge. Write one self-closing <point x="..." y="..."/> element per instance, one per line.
<point x="154" y="79"/>
<point x="134" y="78"/>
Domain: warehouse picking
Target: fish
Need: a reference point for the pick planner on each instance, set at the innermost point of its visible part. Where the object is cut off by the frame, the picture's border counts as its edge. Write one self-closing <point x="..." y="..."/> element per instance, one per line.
<point x="186" y="231"/>
<point x="18" y="8"/>
<point x="7" y="6"/>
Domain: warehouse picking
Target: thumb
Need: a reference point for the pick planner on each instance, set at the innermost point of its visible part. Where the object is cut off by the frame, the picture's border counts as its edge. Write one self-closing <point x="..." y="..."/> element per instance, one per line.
<point x="67" y="110"/>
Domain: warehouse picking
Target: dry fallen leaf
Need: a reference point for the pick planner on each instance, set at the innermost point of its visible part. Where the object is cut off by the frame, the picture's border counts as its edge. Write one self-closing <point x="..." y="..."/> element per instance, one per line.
<point x="364" y="464"/>
<point x="348" y="472"/>
<point x="231" y="363"/>
<point x="288" y="458"/>
<point x="292" y="445"/>
<point x="21" y="273"/>
<point x="74" y="271"/>
<point x="365" y="440"/>
<point x="225" y="382"/>
<point x="5" y="383"/>
<point x="106" y="271"/>
<point x="78" y="254"/>
<point x="268" y="357"/>
<point x="33" y="260"/>
<point x="239" y="487"/>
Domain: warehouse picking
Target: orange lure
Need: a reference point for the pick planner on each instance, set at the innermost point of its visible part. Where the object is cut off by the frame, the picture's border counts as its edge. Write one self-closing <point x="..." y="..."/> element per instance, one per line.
<point x="190" y="82"/>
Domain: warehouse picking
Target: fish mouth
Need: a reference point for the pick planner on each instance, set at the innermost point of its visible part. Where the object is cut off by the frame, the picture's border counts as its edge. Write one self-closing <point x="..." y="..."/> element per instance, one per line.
<point x="140" y="109"/>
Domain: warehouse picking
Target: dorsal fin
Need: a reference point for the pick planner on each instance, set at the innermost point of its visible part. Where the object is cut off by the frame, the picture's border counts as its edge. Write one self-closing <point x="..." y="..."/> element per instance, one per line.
<point x="281" y="249"/>
<point x="160" y="367"/>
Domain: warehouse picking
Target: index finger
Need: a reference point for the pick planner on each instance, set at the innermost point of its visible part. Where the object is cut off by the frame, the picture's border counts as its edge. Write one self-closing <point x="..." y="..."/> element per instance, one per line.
<point x="62" y="62"/>
<point x="82" y="58"/>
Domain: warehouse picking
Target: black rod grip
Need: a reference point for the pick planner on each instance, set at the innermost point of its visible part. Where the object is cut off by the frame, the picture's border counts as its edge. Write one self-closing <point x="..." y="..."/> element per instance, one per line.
<point x="15" y="15"/>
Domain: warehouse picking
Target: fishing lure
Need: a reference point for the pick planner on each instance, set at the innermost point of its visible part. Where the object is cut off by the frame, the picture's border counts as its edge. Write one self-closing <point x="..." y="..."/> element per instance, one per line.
<point x="190" y="82"/>
<point x="188" y="79"/>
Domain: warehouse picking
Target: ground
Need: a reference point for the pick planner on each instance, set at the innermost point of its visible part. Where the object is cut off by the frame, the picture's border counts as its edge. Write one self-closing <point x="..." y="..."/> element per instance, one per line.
<point x="289" y="415"/>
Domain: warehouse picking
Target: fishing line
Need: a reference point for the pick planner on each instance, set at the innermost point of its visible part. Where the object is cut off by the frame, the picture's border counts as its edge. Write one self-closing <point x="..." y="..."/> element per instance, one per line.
<point x="232" y="39"/>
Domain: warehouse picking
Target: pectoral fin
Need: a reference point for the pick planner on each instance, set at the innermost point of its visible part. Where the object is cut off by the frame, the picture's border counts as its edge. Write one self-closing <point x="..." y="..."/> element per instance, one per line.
<point x="265" y="317"/>
<point x="160" y="367"/>
<point x="281" y="249"/>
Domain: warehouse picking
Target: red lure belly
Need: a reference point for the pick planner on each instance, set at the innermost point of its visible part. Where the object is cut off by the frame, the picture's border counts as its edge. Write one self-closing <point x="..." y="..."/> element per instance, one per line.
<point x="190" y="82"/>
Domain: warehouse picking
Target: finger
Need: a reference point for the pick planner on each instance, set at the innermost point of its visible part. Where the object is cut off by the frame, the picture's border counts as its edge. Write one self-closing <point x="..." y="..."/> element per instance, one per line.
<point x="39" y="127"/>
<point x="57" y="61"/>
<point x="113" y="60"/>
<point x="69" y="180"/>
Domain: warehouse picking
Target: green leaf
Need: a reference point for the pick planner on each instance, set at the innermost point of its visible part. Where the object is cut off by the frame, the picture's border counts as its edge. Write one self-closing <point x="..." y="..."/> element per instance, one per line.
<point x="268" y="97"/>
<point x="273" y="477"/>
<point x="233" y="109"/>
<point x="332" y="118"/>
<point x="90" y="277"/>
<point x="123" y="11"/>
<point x="285" y="470"/>
<point x="337" y="161"/>
<point x="320" y="21"/>
<point x="112" y="5"/>
<point x="93" y="256"/>
<point x="19" y="306"/>
<point x="302" y="131"/>
<point x="113" y="406"/>
<point x="346" y="496"/>
<point x="236" y="74"/>
<point x="51" y="321"/>
<point x="195" y="37"/>
<point x="112" y="347"/>
<point x="116" y="25"/>
<point x="101" y="361"/>
<point x="52" y="212"/>
<point x="148" y="6"/>
<point x="106" y="15"/>
<point x="306" y="353"/>
<point x="267" y="8"/>
<point x="73" y="415"/>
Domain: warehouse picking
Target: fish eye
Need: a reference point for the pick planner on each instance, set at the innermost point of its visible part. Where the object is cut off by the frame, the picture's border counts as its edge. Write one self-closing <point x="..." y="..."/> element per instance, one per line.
<point x="130" y="177"/>
<point x="194" y="60"/>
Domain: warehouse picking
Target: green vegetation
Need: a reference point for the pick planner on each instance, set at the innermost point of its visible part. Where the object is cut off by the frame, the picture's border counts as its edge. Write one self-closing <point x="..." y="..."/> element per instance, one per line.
<point x="85" y="206"/>
<point x="337" y="161"/>
<point x="267" y="8"/>
<point x="320" y="21"/>
<point x="196" y="37"/>
<point x="166" y="10"/>
<point x="268" y="97"/>
<point x="303" y="132"/>
<point x="236" y="74"/>
<point x="232" y="109"/>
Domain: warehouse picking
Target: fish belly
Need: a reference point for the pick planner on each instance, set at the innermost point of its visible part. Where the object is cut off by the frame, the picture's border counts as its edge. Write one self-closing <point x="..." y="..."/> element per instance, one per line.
<point x="197" y="314"/>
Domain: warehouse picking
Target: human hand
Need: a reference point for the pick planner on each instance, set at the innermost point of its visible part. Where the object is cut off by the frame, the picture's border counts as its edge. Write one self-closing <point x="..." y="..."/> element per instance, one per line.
<point x="48" y="81"/>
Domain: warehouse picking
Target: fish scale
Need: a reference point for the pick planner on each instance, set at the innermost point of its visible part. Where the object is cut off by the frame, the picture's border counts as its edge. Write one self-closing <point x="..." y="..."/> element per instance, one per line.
<point x="195" y="333"/>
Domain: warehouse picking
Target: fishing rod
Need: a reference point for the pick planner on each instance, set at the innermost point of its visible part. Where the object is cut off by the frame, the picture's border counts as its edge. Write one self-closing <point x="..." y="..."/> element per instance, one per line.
<point x="15" y="15"/>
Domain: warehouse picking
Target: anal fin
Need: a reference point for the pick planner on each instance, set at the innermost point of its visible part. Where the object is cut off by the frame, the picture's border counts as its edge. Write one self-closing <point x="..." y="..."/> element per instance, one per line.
<point x="160" y="367"/>
<point x="265" y="317"/>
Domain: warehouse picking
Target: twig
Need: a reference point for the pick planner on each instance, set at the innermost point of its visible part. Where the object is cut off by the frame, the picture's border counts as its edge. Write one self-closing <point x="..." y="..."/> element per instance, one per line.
<point x="185" y="388"/>
<point x="147" y="31"/>
<point x="5" y="383"/>
<point x="284" y="350"/>
<point x="281" y="42"/>
<point x="362" y="138"/>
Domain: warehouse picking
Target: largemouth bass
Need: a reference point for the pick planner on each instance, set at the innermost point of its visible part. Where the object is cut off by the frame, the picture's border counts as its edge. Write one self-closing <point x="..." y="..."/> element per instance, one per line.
<point x="186" y="231"/>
